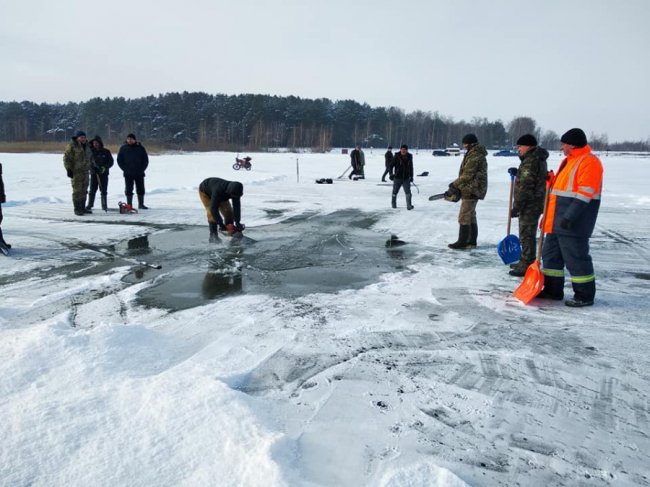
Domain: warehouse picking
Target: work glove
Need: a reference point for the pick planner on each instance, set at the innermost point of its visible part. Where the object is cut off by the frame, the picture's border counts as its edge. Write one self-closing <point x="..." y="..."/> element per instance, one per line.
<point x="515" y="212"/>
<point x="70" y="173"/>
<point x="239" y="226"/>
<point x="222" y="227"/>
<point x="565" y="224"/>
<point x="512" y="171"/>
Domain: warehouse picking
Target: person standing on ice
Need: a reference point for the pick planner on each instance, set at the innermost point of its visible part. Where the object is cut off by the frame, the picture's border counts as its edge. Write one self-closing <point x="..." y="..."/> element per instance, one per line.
<point x="77" y="160"/>
<point x="103" y="161"/>
<point x="528" y="199"/>
<point x="472" y="183"/>
<point x="401" y="174"/>
<point x="388" y="162"/>
<point x="3" y="199"/>
<point x="358" y="161"/>
<point x="215" y="194"/>
<point x="133" y="160"/>
<point x="571" y="213"/>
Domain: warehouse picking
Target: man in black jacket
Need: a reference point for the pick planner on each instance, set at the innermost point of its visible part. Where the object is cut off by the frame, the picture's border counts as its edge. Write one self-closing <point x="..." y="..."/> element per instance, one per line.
<point x="401" y="174"/>
<point x="4" y="246"/>
<point x="388" y="161"/>
<point x="133" y="160"/>
<point x="215" y="194"/>
<point x="102" y="162"/>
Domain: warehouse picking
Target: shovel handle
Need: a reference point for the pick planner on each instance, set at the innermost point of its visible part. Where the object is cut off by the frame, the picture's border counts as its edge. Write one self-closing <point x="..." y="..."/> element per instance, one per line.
<point x="550" y="179"/>
<point x="512" y="189"/>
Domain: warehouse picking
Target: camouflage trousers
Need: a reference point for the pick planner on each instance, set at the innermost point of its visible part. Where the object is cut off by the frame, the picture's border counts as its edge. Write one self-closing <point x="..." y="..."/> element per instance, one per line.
<point x="467" y="212"/>
<point x="79" y="181"/>
<point x="528" y="224"/>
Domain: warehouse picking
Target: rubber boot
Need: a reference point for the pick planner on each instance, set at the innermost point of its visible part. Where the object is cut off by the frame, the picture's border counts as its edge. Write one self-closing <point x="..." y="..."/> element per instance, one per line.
<point x="393" y="201"/>
<point x="473" y="235"/>
<point x="553" y="288"/>
<point x="91" y="201"/>
<point x="463" y="238"/>
<point x="409" y="206"/>
<point x="104" y="202"/>
<point x="584" y="293"/>
<point x="2" y="240"/>
<point x="79" y="207"/>
<point x="214" y="232"/>
<point x="141" y="202"/>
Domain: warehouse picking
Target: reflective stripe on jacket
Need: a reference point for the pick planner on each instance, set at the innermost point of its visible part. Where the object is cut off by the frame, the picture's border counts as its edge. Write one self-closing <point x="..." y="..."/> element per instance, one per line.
<point x="575" y="194"/>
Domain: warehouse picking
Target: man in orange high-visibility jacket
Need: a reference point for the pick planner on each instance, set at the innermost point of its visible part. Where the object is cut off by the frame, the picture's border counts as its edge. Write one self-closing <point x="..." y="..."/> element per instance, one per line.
<point x="571" y="213"/>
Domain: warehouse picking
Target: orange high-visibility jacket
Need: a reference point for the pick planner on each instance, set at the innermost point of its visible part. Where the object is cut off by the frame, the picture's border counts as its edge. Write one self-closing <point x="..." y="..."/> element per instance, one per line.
<point x="575" y="194"/>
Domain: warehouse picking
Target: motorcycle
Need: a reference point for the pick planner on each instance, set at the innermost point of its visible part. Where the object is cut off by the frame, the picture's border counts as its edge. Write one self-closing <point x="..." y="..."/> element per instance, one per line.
<point x="244" y="163"/>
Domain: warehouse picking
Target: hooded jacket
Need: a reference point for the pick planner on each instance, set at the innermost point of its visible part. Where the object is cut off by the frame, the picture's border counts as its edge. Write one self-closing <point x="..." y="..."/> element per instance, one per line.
<point x="575" y="194"/>
<point x="472" y="181"/>
<point x="77" y="157"/>
<point x="103" y="159"/>
<point x="220" y="190"/>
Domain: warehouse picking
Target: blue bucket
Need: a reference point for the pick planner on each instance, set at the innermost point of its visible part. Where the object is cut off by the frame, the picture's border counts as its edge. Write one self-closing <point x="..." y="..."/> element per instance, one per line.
<point x="509" y="249"/>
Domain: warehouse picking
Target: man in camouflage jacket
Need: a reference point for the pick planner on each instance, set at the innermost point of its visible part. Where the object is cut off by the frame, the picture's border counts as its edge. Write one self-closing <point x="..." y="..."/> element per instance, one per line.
<point x="472" y="182"/>
<point x="528" y="201"/>
<point x="77" y="160"/>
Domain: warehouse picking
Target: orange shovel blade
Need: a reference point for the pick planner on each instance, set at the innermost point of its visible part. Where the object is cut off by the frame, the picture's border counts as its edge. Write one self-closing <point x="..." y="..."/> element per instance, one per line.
<point x="532" y="284"/>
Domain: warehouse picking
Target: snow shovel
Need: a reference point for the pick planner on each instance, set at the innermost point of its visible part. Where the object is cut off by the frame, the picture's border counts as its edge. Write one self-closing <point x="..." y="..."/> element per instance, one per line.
<point x="533" y="281"/>
<point x="509" y="248"/>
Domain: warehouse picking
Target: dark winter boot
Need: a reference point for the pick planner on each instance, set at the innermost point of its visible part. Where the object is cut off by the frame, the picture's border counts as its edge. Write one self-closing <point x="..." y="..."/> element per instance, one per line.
<point x="104" y="203"/>
<point x="91" y="201"/>
<point x="473" y="235"/>
<point x="79" y="207"/>
<point x="141" y="202"/>
<point x="553" y="288"/>
<point x="463" y="238"/>
<point x="129" y="199"/>
<point x="409" y="206"/>
<point x="393" y="201"/>
<point x="2" y="240"/>
<point x="214" y="232"/>
<point x="584" y="293"/>
<point x="519" y="269"/>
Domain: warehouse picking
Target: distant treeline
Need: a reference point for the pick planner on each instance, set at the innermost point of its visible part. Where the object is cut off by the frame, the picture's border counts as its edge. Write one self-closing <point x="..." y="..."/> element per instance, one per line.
<point x="199" y="121"/>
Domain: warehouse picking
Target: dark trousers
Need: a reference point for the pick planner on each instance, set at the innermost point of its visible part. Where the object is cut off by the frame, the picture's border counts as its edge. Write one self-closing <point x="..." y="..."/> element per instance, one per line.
<point x="573" y="253"/>
<point x="98" y="181"/>
<point x="401" y="183"/>
<point x="129" y="181"/>
<point x="383" y="176"/>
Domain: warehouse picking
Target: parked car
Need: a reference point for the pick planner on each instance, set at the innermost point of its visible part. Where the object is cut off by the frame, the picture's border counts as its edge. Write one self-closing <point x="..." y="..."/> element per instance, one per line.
<point x="506" y="153"/>
<point x="441" y="153"/>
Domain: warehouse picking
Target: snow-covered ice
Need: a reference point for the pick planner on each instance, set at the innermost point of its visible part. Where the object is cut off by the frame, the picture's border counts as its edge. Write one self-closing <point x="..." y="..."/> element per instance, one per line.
<point x="414" y="367"/>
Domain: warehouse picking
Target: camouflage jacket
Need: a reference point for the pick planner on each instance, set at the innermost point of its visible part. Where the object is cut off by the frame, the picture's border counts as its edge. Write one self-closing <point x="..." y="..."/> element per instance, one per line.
<point x="472" y="181"/>
<point x="530" y="185"/>
<point x="77" y="157"/>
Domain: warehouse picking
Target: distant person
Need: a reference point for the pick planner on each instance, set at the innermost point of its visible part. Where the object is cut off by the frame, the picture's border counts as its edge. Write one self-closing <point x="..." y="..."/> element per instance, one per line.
<point x="102" y="162"/>
<point x="388" y="161"/>
<point x="3" y="199"/>
<point x="401" y="174"/>
<point x="472" y="182"/>
<point x="77" y="160"/>
<point x="216" y="194"/>
<point x="571" y="214"/>
<point x="358" y="161"/>
<point x="528" y="200"/>
<point x="133" y="160"/>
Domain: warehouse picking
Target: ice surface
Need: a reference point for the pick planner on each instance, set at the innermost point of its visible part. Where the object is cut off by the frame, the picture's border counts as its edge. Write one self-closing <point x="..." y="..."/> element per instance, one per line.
<point x="424" y="371"/>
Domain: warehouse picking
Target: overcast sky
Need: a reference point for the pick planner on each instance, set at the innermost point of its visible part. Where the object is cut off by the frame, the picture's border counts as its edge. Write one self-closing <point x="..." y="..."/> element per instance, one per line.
<point x="565" y="63"/>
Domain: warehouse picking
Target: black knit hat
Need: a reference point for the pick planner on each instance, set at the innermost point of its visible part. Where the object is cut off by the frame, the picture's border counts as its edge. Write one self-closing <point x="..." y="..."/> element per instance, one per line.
<point x="527" y="139"/>
<point x="470" y="139"/>
<point x="574" y="137"/>
<point x="235" y="189"/>
<point x="79" y="133"/>
<point x="131" y="136"/>
<point x="404" y="146"/>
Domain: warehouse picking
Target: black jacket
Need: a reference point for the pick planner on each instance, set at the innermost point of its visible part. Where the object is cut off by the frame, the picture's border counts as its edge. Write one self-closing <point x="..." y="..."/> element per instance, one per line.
<point x="3" y="198"/>
<point x="388" y="159"/>
<point x="133" y="160"/>
<point x="102" y="157"/>
<point x="402" y="167"/>
<point x="220" y="190"/>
